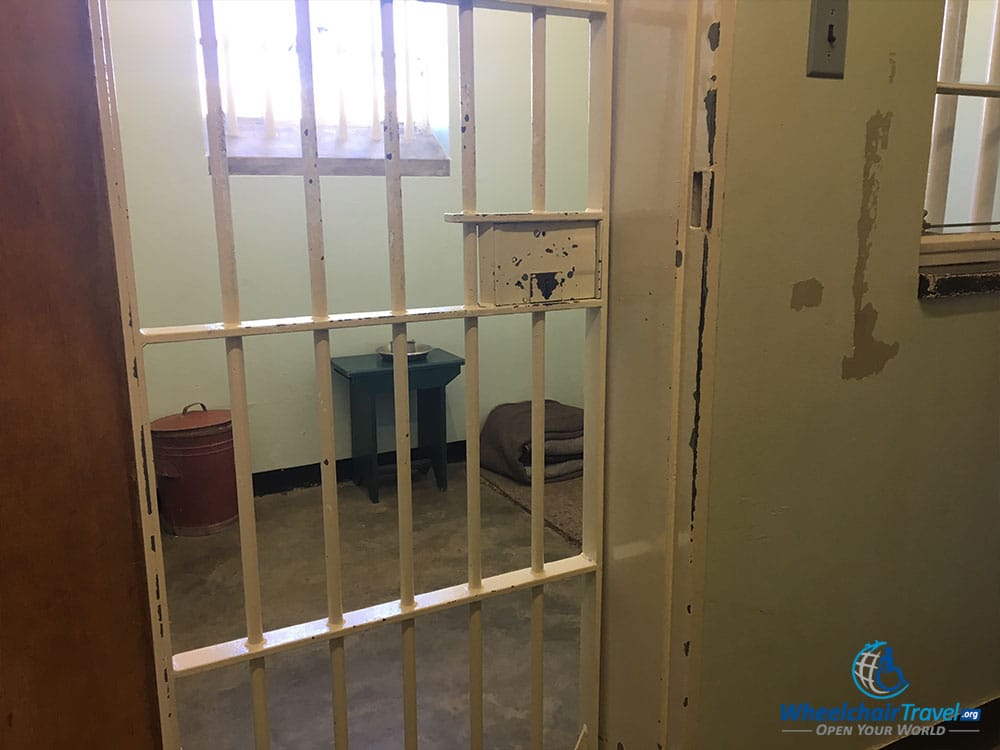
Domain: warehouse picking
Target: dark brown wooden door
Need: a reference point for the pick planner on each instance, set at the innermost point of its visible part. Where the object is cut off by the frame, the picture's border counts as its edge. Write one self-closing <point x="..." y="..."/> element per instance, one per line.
<point x="76" y="665"/>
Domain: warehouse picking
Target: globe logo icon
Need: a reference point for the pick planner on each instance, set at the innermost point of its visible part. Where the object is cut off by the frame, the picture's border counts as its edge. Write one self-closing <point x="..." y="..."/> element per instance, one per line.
<point x="875" y="672"/>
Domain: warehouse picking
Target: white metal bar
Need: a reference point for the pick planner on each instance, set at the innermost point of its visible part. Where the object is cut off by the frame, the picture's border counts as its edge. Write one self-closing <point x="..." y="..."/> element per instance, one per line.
<point x="537" y="524"/>
<point x="524" y="217"/>
<point x="538" y="109"/>
<point x="235" y="367"/>
<point x="258" y="703"/>
<point x="374" y="21"/>
<point x="221" y="200"/>
<point x="573" y="8"/>
<point x="929" y="258"/>
<point x="206" y="331"/>
<point x="135" y="364"/>
<point x="945" y="109"/>
<point x="338" y="690"/>
<point x="324" y="376"/>
<point x="467" y="112"/>
<point x="537" y="440"/>
<point x="985" y="188"/>
<point x="232" y="119"/>
<point x="278" y="641"/>
<point x="400" y="372"/>
<point x="982" y="90"/>
<point x="595" y="363"/>
<point x="960" y="241"/>
<point x="408" y="88"/>
<point x="537" y="667"/>
<point x="675" y="684"/>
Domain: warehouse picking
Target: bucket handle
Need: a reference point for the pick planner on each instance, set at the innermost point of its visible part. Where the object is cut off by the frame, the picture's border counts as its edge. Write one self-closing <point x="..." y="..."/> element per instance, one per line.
<point x="196" y="403"/>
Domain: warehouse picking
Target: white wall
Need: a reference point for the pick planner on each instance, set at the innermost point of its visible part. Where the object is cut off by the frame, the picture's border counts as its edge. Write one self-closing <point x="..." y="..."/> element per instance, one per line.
<point x="840" y="509"/>
<point x="174" y="242"/>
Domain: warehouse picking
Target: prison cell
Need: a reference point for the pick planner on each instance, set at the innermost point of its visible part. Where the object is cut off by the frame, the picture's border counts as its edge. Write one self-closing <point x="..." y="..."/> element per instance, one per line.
<point x="482" y="232"/>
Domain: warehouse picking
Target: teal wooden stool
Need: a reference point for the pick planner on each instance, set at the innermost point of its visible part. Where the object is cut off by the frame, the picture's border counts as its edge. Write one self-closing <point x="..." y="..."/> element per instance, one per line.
<point x="369" y="375"/>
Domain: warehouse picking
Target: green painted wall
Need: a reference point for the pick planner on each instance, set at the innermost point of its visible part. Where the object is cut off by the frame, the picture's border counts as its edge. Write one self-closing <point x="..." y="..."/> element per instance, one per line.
<point x="174" y="243"/>
<point x="841" y="510"/>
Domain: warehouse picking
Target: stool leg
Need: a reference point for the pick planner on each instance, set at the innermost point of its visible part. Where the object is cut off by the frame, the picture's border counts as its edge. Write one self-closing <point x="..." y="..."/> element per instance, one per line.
<point x="364" y="441"/>
<point x="432" y="426"/>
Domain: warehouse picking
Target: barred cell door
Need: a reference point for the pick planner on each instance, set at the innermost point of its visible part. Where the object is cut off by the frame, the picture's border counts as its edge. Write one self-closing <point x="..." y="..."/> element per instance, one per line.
<point x="530" y="263"/>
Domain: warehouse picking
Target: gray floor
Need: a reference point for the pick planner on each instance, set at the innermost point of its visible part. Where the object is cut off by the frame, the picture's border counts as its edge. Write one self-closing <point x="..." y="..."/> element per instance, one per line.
<point x="204" y="585"/>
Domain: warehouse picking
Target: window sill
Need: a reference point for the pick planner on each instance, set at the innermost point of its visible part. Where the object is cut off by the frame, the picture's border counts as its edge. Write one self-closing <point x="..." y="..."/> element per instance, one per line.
<point x="252" y="152"/>
<point x="940" y="282"/>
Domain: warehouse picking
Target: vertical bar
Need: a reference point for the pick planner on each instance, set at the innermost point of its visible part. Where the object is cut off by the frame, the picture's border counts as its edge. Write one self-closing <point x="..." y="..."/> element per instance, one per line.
<point x="135" y="362"/>
<point x="595" y="357"/>
<point x="376" y="130"/>
<point x="945" y="110"/>
<point x="537" y="667"/>
<point x="537" y="441"/>
<point x="406" y="69"/>
<point x="674" y="727"/>
<point x="538" y="109"/>
<point x="397" y="279"/>
<point x="232" y="120"/>
<point x="537" y="390"/>
<point x="467" y="105"/>
<point x="269" y="129"/>
<point x="537" y="523"/>
<point x="218" y="165"/>
<point x="984" y="192"/>
<point x="324" y="377"/>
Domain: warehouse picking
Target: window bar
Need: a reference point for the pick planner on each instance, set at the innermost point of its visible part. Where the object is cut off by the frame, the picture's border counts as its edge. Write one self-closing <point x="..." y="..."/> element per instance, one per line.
<point x="984" y="192"/>
<point x="324" y="377"/>
<point x="236" y="368"/>
<point x="232" y="122"/>
<point x="376" y="126"/>
<point x="400" y="373"/>
<point x="405" y="6"/>
<point x="134" y="360"/>
<point x="595" y="350"/>
<point x="945" y="109"/>
<point x="470" y="234"/>
<point x="537" y="390"/>
<point x="269" y="129"/>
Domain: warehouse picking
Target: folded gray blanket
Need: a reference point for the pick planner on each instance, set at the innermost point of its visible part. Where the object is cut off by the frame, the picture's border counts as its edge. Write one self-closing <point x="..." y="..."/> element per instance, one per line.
<point x="505" y="441"/>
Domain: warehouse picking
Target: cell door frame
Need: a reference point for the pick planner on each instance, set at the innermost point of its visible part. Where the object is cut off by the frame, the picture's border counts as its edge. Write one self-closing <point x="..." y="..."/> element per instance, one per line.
<point x="258" y="644"/>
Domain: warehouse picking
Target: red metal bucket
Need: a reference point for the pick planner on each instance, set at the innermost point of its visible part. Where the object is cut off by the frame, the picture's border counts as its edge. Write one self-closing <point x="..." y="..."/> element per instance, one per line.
<point x="195" y="470"/>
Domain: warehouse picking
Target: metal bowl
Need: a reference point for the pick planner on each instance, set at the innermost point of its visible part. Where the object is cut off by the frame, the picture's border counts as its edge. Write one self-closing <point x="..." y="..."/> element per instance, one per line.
<point x="413" y="350"/>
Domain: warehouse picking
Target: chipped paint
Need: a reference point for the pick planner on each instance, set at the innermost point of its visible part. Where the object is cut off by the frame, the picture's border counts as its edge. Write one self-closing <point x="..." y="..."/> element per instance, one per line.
<point x="145" y="471"/>
<point x="869" y="355"/>
<point x="713" y="36"/>
<point x="711" y="100"/>
<point x="693" y="442"/>
<point x="892" y="67"/>
<point x="806" y="293"/>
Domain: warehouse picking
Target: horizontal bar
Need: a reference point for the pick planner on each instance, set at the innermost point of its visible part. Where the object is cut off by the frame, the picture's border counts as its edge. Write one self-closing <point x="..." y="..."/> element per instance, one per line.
<point x="969" y="89"/>
<point x="939" y="243"/>
<point x="958" y="257"/>
<point x="334" y="166"/>
<point x="525" y="217"/>
<point x="200" y="660"/>
<point x="961" y="224"/>
<point x="584" y="8"/>
<point x="206" y="331"/>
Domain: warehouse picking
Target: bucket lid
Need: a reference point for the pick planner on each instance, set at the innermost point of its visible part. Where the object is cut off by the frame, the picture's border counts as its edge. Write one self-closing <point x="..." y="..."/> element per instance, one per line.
<point x="191" y="419"/>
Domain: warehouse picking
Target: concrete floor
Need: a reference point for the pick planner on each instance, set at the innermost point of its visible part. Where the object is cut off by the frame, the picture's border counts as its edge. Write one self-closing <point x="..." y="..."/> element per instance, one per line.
<point x="204" y="585"/>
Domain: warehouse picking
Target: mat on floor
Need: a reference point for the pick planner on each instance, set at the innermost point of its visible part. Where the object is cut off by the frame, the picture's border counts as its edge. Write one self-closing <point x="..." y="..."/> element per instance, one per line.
<point x="563" y="502"/>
